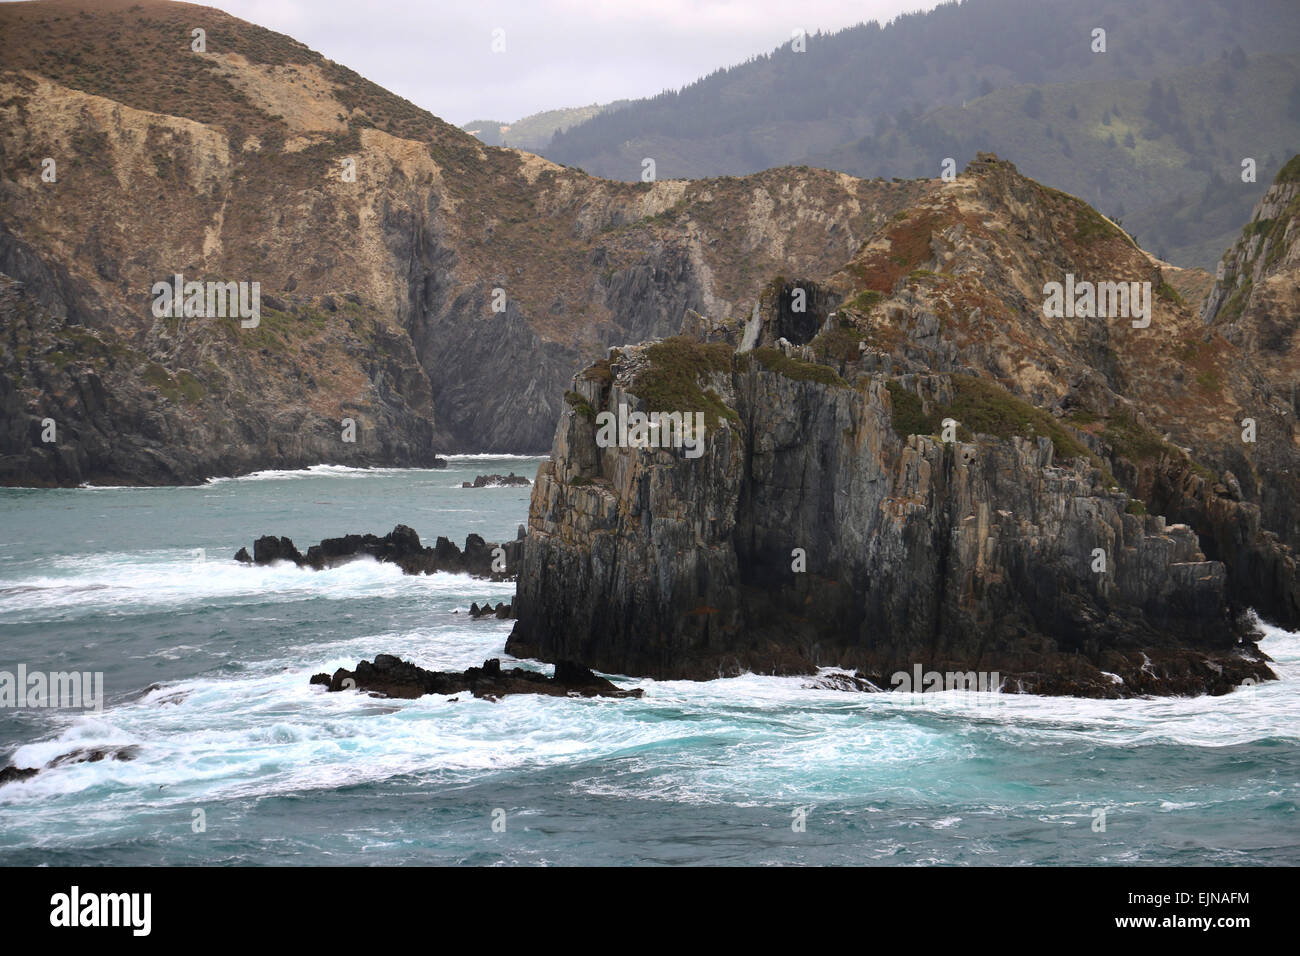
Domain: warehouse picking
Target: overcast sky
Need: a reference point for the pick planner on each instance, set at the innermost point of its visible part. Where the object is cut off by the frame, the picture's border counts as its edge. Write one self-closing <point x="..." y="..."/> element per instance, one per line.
<point x="438" y="53"/>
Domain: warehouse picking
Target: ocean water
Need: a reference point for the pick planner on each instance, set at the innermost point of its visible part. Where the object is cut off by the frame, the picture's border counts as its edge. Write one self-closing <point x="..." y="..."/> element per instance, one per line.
<point x="239" y="761"/>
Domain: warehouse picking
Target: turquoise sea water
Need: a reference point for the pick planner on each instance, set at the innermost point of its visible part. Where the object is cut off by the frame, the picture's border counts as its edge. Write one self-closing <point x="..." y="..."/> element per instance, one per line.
<point x="718" y="772"/>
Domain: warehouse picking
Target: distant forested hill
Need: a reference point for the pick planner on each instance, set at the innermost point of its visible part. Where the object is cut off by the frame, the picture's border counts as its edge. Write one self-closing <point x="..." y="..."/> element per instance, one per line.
<point x="534" y="132"/>
<point x="1017" y="77"/>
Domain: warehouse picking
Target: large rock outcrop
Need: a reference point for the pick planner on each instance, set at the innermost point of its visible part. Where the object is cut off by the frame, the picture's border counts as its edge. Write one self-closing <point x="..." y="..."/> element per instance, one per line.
<point x="1160" y="440"/>
<point x="1255" y="307"/>
<point x="816" y="530"/>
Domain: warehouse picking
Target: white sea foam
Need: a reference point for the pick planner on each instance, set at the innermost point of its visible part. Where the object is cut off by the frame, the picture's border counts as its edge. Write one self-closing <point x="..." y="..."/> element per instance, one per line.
<point x="323" y="471"/>
<point x="123" y="582"/>
<point x="747" y="741"/>
<point x="463" y="457"/>
<point x="909" y="767"/>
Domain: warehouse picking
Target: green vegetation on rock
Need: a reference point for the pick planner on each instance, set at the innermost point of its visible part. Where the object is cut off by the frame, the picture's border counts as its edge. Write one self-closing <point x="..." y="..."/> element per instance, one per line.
<point x="580" y="405"/>
<point x="599" y="371"/>
<point x="181" y="387"/>
<point x="865" y="301"/>
<point x="839" y="343"/>
<point x="1290" y="171"/>
<point x="670" y="381"/>
<point x="774" y="360"/>
<point x="982" y="407"/>
<point x="909" y="416"/>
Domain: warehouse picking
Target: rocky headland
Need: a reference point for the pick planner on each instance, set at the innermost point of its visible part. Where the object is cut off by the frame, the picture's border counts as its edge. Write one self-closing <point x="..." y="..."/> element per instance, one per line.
<point x="921" y="468"/>
<point x="908" y="459"/>
<point x="442" y="297"/>
<point x="818" y="531"/>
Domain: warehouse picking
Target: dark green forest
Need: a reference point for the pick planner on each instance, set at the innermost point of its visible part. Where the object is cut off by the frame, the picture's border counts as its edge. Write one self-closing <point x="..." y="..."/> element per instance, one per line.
<point x="1153" y="130"/>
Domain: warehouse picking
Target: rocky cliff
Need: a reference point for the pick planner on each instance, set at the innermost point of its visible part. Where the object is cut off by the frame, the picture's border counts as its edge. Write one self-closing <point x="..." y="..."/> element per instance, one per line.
<point x="1255" y="307"/>
<point x="813" y="531"/>
<point x="936" y="470"/>
<point x="404" y="268"/>
<point x="1193" y="419"/>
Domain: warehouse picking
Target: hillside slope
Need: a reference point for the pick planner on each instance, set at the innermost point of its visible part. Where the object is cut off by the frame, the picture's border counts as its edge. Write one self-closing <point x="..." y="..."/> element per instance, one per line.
<point x="1164" y="156"/>
<point x="535" y="132"/>
<point x="1011" y="76"/>
<point x="378" y="290"/>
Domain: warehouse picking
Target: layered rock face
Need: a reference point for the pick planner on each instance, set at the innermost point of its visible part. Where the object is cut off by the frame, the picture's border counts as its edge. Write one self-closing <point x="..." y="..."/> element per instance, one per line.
<point x="811" y="532"/>
<point x="833" y="518"/>
<point x="1255" y="306"/>
<point x="82" y="404"/>
<point x="1193" y="419"/>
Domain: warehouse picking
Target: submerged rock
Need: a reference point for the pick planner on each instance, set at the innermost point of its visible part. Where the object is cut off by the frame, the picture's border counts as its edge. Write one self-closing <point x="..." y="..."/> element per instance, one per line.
<point x="96" y="754"/>
<point x="389" y="676"/>
<point x="81" y="755"/>
<point x="15" y="774"/>
<point x="841" y="681"/>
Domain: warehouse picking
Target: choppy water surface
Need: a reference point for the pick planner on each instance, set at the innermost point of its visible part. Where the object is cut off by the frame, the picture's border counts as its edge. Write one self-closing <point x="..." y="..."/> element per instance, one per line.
<point x="109" y="580"/>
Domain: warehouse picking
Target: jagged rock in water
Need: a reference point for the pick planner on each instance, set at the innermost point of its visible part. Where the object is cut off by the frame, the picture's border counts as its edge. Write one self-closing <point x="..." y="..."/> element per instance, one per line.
<point x="501" y="611"/>
<point x="496" y="481"/>
<point x="390" y="677"/>
<point x="270" y="548"/>
<point x="16" y="774"/>
<point x="401" y="546"/>
<point x="82" y="755"/>
<point x="812" y="533"/>
<point x="838" y="680"/>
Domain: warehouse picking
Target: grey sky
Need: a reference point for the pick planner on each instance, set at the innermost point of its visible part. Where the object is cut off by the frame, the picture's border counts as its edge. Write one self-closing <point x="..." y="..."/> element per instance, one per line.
<point x="558" y="52"/>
